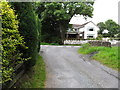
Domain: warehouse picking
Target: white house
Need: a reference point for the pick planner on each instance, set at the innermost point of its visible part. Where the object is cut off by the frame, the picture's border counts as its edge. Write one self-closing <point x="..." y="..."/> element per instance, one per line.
<point x="81" y="28"/>
<point x="90" y="30"/>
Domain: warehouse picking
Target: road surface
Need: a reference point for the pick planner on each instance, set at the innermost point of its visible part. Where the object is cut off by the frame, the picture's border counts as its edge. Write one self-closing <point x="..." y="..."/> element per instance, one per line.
<point x="67" y="69"/>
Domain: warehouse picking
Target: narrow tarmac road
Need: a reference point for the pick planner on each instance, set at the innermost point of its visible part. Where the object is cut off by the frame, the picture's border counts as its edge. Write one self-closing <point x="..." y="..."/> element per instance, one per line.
<point x="68" y="69"/>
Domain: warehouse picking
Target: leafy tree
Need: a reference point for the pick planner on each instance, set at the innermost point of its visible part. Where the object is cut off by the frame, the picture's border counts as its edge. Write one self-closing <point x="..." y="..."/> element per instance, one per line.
<point x="28" y="28"/>
<point x="11" y="42"/>
<point x="102" y="27"/>
<point x="58" y="15"/>
<point x="50" y="33"/>
<point x="111" y="26"/>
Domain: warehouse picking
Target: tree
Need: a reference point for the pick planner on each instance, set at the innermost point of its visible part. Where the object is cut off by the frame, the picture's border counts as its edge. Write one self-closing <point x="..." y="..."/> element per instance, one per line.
<point x="59" y="14"/>
<point x="28" y="28"/>
<point x="102" y="27"/>
<point x="111" y="26"/>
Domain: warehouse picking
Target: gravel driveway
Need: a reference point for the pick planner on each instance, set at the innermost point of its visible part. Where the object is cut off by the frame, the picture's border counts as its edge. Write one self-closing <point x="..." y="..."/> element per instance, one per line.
<point x="68" y="69"/>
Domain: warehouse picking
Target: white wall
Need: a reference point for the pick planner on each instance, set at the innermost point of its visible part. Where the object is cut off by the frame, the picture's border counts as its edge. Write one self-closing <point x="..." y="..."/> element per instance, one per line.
<point x="81" y="29"/>
<point x="88" y="33"/>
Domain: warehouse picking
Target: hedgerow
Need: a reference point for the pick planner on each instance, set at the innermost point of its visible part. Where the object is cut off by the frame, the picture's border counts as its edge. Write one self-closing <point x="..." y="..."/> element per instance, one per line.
<point x="29" y="27"/>
<point x="11" y="43"/>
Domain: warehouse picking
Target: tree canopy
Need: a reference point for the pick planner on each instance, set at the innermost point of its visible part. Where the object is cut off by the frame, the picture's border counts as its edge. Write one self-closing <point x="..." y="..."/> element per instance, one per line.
<point x="102" y="27"/>
<point x="111" y="26"/>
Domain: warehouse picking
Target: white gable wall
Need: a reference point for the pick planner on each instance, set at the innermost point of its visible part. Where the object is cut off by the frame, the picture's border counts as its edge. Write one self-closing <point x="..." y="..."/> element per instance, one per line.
<point x="78" y="21"/>
<point x="87" y="32"/>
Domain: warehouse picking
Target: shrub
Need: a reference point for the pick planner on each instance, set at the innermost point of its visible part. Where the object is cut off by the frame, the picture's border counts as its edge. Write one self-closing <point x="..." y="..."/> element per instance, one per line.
<point x="99" y="37"/>
<point x="11" y="42"/>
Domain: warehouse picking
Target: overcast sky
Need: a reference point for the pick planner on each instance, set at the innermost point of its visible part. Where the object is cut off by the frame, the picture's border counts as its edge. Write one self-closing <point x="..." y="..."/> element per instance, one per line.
<point x="104" y="10"/>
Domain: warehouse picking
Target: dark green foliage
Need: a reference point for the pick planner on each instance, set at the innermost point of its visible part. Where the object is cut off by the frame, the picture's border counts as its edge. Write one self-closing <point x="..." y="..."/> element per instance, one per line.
<point x="28" y="28"/>
<point x="11" y="43"/>
<point x="50" y="33"/>
<point x="113" y="28"/>
<point x="102" y="27"/>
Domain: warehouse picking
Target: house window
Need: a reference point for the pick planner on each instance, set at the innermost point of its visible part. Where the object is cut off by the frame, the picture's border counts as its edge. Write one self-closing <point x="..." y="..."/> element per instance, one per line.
<point x="91" y="29"/>
<point x="90" y="36"/>
<point x="76" y="29"/>
<point x="80" y="34"/>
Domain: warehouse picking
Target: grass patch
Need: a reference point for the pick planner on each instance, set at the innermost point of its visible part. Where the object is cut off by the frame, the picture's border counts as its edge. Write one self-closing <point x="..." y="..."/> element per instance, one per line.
<point x="106" y="55"/>
<point x="43" y="43"/>
<point x="72" y="45"/>
<point x="35" y="77"/>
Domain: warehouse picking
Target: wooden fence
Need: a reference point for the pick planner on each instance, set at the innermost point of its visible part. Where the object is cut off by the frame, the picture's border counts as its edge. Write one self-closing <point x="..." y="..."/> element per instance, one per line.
<point x="19" y="71"/>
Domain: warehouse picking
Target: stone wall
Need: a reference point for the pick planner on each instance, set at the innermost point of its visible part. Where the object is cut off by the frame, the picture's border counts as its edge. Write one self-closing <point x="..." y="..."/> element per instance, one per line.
<point x="93" y="42"/>
<point x="100" y="43"/>
<point x="75" y="41"/>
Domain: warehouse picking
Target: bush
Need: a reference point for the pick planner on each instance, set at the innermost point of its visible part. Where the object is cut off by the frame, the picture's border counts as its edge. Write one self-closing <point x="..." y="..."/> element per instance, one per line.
<point x="11" y="42"/>
<point x="99" y="37"/>
<point x="85" y="46"/>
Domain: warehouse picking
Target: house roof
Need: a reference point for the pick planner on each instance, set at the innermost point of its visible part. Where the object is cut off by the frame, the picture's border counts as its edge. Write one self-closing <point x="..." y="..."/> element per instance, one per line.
<point x="91" y="22"/>
<point x="82" y="25"/>
<point x="77" y="19"/>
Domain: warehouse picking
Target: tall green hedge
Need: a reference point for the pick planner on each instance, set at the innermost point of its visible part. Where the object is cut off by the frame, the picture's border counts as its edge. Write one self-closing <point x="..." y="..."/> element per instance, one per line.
<point x="11" y="42"/>
<point x="28" y="28"/>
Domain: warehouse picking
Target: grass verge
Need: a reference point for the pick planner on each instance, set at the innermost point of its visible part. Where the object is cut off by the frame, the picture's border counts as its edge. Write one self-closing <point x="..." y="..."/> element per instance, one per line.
<point x="43" y="43"/>
<point x="35" y="77"/>
<point x="106" y="55"/>
<point x="72" y="45"/>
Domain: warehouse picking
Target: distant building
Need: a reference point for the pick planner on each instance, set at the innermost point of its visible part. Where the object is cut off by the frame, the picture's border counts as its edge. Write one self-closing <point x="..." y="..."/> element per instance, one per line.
<point x="81" y="28"/>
